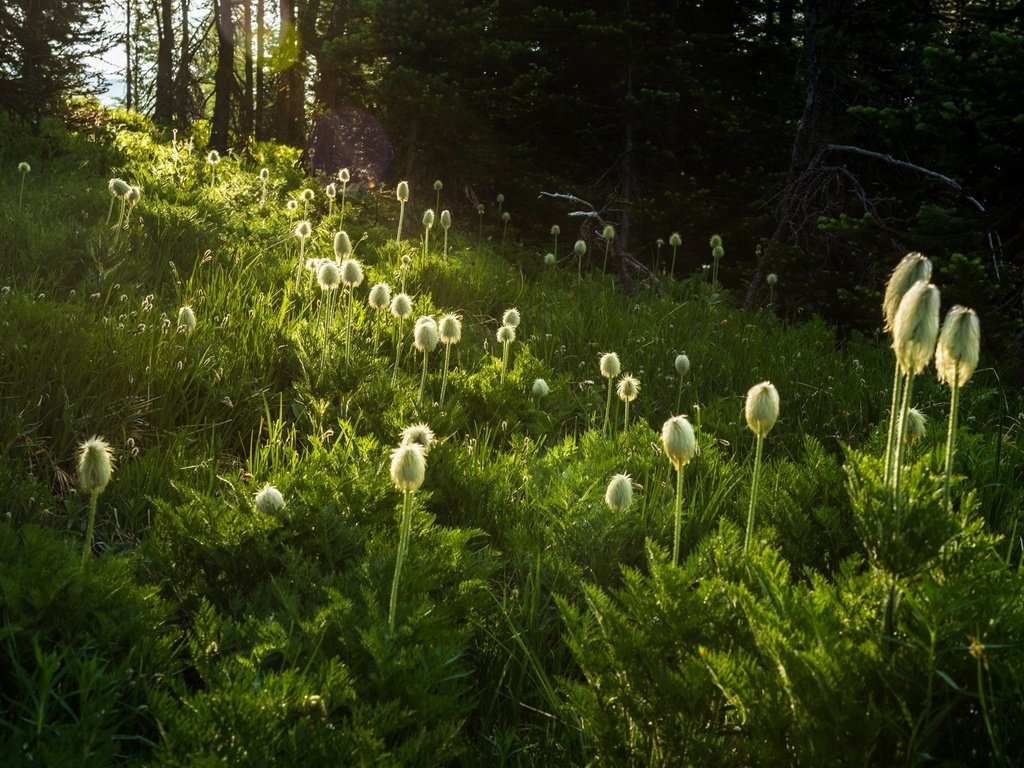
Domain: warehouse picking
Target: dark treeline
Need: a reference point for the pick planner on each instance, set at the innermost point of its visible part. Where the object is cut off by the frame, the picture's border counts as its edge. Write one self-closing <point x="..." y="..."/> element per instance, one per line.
<point x="822" y="139"/>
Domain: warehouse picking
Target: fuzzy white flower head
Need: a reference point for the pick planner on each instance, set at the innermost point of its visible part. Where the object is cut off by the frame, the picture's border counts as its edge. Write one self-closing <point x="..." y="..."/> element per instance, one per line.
<point x="539" y="388"/>
<point x="609" y="232"/>
<point x="506" y="217"/>
<point x="425" y="336"/>
<point x="401" y="306"/>
<point x="446" y="218"/>
<point x="762" y="408"/>
<point x="134" y="195"/>
<point x="344" y="176"/>
<point x="956" y="355"/>
<point x="269" y="500"/>
<point x="772" y="279"/>
<point x="500" y="198"/>
<point x="264" y="174"/>
<point x="303" y="230"/>
<point x="24" y="167"/>
<point x="715" y="241"/>
<point x="916" y="327"/>
<point x="312" y="265"/>
<point x="555" y="229"/>
<point x="331" y="191"/>
<point x="916" y="426"/>
<point x="682" y="365"/>
<point x="506" y="334"/>
<point x="438" y="186"/>
<point x="580" y="248"/>
<point x="450" y="329"/>
<point x="511" y="317"/>
<point x="118" y="187"/>
<point x="292" y="206"/>
<point x="95" y="465"/>
<point x="408" y="467"/>
<point x="718" y="251"/>
<point x="418" y="434"/>
<point x="351" y="273"/>
<point x="402" y="191"/>
<point x="619" y="495"/>
<point x="480" y="209"/>
<point x="549" y="259"/>
<point x="342" y="245"/>
<point x="610" y="366"/>
<point x="328" y="275"/>
<point x="913" y="268"/>
<point x="675" y="240"/>
<point x="307" y="195"/>
<point x="380" y="296"/>
<point x="678" y="440"/>
<point x="428" y="218"/>
<point x="186" y="319"/>
<point x="659" y="242"/>
<point x="213" y="157"/>
<point x="628" y="388"/>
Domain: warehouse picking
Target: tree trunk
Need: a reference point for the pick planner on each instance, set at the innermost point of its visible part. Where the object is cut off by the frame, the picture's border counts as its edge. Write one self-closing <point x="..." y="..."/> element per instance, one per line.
<point x="247" y="96"/>
<point x="182" y="85"/>
<point x="291" y="97"/>
<point x="224" y="77"/>
<point x="129" y="101"/>
<point x="163" y="111"/>
<point x="260" y="95"/>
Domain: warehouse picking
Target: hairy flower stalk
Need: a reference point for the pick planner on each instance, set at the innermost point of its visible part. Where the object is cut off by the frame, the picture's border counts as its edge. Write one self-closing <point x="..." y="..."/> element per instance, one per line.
<point x="408" y="470"/>
<point x="328" y="275"/>
<point x="401" y="309"/>
<point x="610" y="368"/>
<point x="913" y="268"/>
<point x="580" y="250"/>
<point x="656" y="261"/>
<point x="762" y="411"/>
<point x="717" y="252"/>
<point x="501" y="201"/>
<point x="505" y="218"/>
<point x="352" y="277"/>
<point x="680" y="446"/>
<point x="438" y="186"/>
<point x="682" y="368"/>
<point x="343" y="176"/>
<point x="628" y="388"/>
<point x="506" y="335"/>
<point x="480" y="210"/>
<point x="956" y="357"/>
<point x="915" y="332"/>
<point x="428" y="224"/>
<point x="402" y="193"/>
<point x="608" y="234"/>
<point x="23" y="169"/>
<point x="675" y="241"/>
<point x="450" y="331"/>
<point x="95" y="466"/>
<point x="303" y="231"/>
<point x="425" y="338"/>
<point x="446" y="224"/>
<point x="555" y="232"/>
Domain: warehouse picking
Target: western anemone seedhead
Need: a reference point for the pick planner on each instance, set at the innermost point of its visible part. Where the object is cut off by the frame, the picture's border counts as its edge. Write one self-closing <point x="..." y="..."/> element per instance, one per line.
<point x="344" y="176"/>
<point x="500" y="198"/>
<point x="428" y="218"/>
<point x="506" y="334"/>
<point x="718" y="252"/>
<point x="539" y="388"/>
<point x="24" y="167"/>
<point x="549" y="259"/>
<point x="610" y="366"/>
<point x="134" y="195"/>
<point x="715" y="241"/>
<point x="678" y="440"/>
<point x="186" y="319"/>
<point x="511" y="317"/>
<point x="628" y="388"/>
<point x="118" y="187"/>
<point x="619" y="495"/>
<point x="675" y="240"/>
<point x="402" y="191"/>
<point x="401" y="306"/>
<point x="480" y="209"/>
<point x="425" y="336"/>
<point x="762" y="408"/>
<point x="438" y="186"/>
<point x="446" y="218"/>
<point x="682" y="365"/>
<point x="264" y="175"/>
<point x="213" y="157"/>
<point x="915" y="328"/>
<point x="331" y="191"/>
<point x="418" y="434"/>
<point x="307" y="195"/>
<point x="269" y="500"/>
<point x="506" y="217"/>
<point x="312" y="265"/>
<point x="351" y="273"/>
<point x="609" y="232"/>
<point x="408" y="467"/>
<point x="95" y="465"/>
<point x="580" y="248"/>
<point x="292" y="205"/>
<point x="956" y="356"/>
<point x="556" y="230"/>
<point x="914" y="267"/>
<point x="380" y="296"/>
<point x="342" y="245"/>
<point x="450" y="329"/>
<point x="916" y="427"/>
<point x="328" y="274"/>
<point x="772" y="278"/>
<point x="303" y="230"/>
<point x="659" y="242"/>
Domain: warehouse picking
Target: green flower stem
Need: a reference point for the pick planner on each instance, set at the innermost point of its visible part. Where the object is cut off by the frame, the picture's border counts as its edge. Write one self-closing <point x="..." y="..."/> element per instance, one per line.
<point x="901" y="432"/>
<point x="604" y="266"/>
<point x="504" y="232"/>
<point x="403" y="548"/>
<point x="302" y="263"/>
<point x="348" y="328"/>
<point x="444" y="376"/>
<point x="678" y="513"/>
<point x="401" y="216"/>
<point x="263" y="195"/>
<point x="607" y="409"/>
<point x="897" y="386"/>
<point x="446" y="242"/>
<point x="556" y="247"/>
<point x="342" y="220"/>
<point x="21" y="191"/>
<point x="423" y="378"/>
<point x="679" y="393"/>
<point x="398" y="350"/>
<point x="480" y="232"/>
<point x="110" y="210"/>
<point x="625" y="424"/>
<point x="673" y="270"/>
<point x="954" y="401"/>
<point x="753" y="494"/>
<point x="714" y="272"/>
<point x="504" y="360"/>
<point x="426" y="245"/>
<point x="93" y="498"/>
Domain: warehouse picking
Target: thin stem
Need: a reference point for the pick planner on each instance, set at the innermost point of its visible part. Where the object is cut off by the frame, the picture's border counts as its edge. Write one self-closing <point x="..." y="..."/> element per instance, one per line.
<point x="897" y="386"/>
<point x="625" y="424"/>
<point x="93" y="498"/>
<point x="403" y="546"/>
<point x="21" y="191"/>
<point x="302" y="263"/>
<point x="444" y="376"/>
<point x="342" y="221"/>
<point x="423" y="378"/>
<point x="401" y="216"/>
<point x="398" y="350"/>
<point x="446" y="242"/>
<point x="426" y="245"/>
<point x="714" y="272"/>
<point x="753" y="494"/>
<point x="607" y="409"/>
<point x="678" y="514"/>
<point x="679" y="393"/>
<point x="604" y="266"/>
<point x="110" y="210"/>
<point x="901" y="434"/>
<point x="556" y="247"/>
<point x="673" y="270"/>
<point x="504" y="360"/>
<point x="954" y="401"/>
<point x="348" y="328"/>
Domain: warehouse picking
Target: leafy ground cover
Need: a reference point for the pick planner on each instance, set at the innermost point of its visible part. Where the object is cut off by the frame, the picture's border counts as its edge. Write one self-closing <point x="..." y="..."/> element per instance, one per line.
<point x="533" y="625"/>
